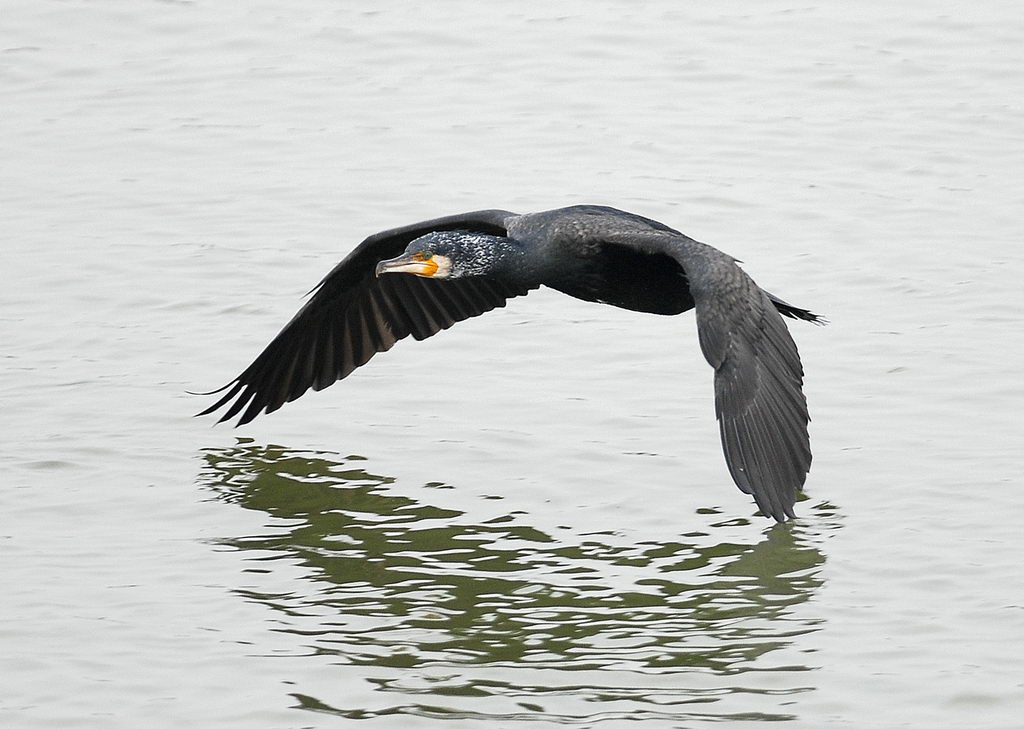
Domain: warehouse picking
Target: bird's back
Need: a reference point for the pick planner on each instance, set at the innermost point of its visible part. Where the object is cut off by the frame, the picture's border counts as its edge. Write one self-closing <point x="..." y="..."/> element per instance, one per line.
<point x="572" y="250"/>
<point x="576" y="224"/>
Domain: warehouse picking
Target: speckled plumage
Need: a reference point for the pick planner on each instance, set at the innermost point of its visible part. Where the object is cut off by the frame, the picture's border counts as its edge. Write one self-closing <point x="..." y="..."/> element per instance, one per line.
<point x="590" y="252"/>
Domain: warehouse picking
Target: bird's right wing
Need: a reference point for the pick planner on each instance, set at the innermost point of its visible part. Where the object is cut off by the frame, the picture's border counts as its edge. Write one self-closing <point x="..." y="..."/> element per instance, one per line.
<point x="352" y="315"/>
<point x="759" y="401"/>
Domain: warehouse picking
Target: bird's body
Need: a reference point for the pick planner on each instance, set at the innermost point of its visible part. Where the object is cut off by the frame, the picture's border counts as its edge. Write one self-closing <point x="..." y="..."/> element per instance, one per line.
<point x="468" y="264"/>
<point x="575" y="245"/>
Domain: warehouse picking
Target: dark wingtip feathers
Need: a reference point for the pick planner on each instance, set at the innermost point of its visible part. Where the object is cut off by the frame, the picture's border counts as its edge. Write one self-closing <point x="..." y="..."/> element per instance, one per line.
<point x="334" y="335"/>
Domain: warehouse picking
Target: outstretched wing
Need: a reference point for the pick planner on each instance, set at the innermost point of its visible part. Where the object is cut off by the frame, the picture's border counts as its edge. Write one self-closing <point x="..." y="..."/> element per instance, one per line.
<point x="352" y="315"/>
<point x="759" y="401"/>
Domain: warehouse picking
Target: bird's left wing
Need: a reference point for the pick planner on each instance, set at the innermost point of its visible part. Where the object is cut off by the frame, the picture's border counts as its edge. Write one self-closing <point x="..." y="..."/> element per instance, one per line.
<point x="759" y="401"/>
<point x="352" y="315"/>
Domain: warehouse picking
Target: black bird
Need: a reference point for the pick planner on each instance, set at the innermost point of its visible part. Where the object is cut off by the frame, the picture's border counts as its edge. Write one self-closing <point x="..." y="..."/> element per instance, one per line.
<point x="464" y="265"/>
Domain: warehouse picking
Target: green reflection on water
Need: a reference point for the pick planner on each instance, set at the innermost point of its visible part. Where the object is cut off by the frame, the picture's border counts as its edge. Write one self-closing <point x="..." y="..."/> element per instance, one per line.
<point x="395" y="583"/>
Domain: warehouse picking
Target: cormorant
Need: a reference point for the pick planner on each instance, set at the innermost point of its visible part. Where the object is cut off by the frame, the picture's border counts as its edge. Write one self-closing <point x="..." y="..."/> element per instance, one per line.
<point x="464" y="265"/>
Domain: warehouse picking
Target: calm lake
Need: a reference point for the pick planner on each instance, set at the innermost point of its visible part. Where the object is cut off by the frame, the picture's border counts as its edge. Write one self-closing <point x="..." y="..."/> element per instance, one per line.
<point x="525" y="520"/>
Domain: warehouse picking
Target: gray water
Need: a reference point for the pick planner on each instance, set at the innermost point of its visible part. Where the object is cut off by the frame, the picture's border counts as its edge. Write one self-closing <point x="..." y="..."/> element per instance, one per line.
<point x="524" y="521"/>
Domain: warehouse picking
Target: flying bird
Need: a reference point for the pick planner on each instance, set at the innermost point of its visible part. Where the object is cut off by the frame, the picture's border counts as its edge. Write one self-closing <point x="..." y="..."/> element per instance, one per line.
<point x="422" y="278"/>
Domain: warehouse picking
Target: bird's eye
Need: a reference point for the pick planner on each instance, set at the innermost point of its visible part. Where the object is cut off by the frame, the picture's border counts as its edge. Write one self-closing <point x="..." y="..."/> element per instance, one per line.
<point x="427" y="255"/>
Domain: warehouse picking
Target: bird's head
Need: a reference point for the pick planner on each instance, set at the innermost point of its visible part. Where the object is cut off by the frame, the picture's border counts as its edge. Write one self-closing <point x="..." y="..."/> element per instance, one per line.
<point x="447" y="254"/>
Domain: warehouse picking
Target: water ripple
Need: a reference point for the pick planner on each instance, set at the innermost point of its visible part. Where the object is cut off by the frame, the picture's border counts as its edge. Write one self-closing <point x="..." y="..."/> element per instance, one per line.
<point x="446" y="614"/>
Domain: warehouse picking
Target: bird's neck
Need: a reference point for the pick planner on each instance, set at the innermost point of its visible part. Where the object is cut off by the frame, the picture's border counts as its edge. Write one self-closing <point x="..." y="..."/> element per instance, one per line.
<point x="507" y="259"/>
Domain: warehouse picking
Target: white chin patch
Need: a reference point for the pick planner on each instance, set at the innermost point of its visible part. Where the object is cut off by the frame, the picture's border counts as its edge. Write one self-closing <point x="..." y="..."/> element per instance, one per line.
<point x="444" y="266"/>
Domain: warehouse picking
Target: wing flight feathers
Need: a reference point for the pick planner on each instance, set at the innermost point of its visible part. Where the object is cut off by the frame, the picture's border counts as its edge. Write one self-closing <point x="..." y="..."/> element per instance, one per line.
<point x="759" y="400"/>
<point x="352" y="315"/>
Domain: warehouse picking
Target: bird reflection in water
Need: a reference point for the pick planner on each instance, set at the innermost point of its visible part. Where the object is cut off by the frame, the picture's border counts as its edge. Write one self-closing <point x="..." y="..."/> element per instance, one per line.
<point x="450" y="615"/>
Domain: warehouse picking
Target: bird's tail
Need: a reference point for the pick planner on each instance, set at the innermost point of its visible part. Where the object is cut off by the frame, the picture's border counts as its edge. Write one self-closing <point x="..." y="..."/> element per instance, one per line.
<point x="795" y="312"/>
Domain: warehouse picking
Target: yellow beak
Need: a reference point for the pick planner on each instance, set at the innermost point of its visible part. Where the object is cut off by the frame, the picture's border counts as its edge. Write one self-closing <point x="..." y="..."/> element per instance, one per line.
<point x="415" y="264"/>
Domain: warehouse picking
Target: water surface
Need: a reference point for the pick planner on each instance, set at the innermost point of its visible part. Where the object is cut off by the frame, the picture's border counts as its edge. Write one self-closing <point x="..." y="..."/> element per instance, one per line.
<point x="526" y="520"/>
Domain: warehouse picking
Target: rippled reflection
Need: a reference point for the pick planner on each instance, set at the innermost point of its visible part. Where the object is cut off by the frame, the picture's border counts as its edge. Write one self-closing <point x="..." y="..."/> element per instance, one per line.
<point x="448" y="618"/>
